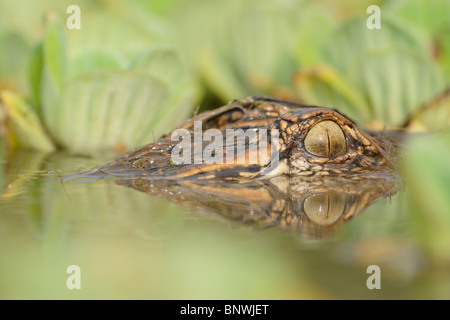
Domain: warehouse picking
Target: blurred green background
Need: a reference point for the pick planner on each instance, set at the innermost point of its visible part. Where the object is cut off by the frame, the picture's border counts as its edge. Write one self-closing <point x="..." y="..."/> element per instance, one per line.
<point x="136" y="69"/>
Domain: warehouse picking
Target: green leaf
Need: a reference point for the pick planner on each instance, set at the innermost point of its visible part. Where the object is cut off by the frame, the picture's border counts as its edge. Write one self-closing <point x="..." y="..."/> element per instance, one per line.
<point x="94" y="60"/>
<point x="430" y="16"/>
<point x="388" y="68"/>
<point x="55" y="55"/>
<point x="434" y="116"/>
<point x="103" y="109"/>
<point x="428" y="186"/>
<point x="444" y="55"/>
<point x="172" y="113"/>
<point x="261" y="48"/>
<point x="247" y="47"/>
<point x="161" y="62"/>
<point x="218" y="76"/>
<point x="13" y="57"/>
<point x="312" y="30"/>
<point x="24" y="123"/>
<point x="430" y="20"/>
<point x="112" y="32"/>
<point x="325" y="87"/>
<point x="54" y="71"/>
<point x="396" y="84"/>
<point x="107" y="111"/>
<point x="352" y="42"/>
<point x="35" y="68"/>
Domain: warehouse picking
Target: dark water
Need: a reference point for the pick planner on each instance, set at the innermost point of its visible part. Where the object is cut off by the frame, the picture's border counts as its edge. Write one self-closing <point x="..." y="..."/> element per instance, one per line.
<point x="132" y="244"/>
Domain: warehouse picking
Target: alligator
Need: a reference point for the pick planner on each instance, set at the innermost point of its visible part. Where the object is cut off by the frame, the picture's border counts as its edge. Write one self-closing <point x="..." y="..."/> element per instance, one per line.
<point x="300" y="167"/>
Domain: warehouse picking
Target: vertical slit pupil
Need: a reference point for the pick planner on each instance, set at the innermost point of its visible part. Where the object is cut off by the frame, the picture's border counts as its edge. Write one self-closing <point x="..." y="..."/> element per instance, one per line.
<point x="328" y="144"/>
<point x="325" y="139"/>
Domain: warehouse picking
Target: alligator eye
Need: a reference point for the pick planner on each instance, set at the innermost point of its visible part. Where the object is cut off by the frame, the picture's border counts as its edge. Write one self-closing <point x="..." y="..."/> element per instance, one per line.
<point x="324" y="208"/>
<point x="325" y="139"/>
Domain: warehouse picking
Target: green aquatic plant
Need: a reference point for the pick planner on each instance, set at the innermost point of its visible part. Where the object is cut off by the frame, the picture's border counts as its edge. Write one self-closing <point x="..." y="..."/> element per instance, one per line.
<point x="248" y="47"/>
<point x="25" y="127"/>
<point x="428" y="184"/>
<point x="133" y="71"/>
<point x="303" y="50"/>
<point x="429" y="20"/>
<point x="97" y="101"/>
<point x="433" y="116"/>
<point x="374" y="76"/>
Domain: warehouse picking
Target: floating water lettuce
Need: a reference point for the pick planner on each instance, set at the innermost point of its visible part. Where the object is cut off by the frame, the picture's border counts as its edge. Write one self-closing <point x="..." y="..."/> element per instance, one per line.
<point x="25" y="127"/>
<point x="101" y="99"/>
<point x="13" y="55"/>
<point x="373" y="75"/>
<point x="428" y="185"/>
<point x="433" y="116"/>
<point x="429" y="19"/>
<point x="248" y="47"/>
<point x="299" y="50"/>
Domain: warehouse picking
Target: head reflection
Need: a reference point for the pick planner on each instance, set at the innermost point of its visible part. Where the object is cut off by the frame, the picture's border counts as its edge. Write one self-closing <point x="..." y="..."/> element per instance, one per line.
<point x="314" y="209"/>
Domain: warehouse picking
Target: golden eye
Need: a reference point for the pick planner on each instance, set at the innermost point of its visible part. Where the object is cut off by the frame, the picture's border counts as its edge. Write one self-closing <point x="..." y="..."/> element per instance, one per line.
<point x="325" y="139"/>
<point x="324" y="208"/>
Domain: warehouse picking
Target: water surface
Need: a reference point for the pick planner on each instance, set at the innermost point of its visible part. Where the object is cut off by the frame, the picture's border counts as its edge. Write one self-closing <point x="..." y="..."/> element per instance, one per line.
<point x="132" y="244"/>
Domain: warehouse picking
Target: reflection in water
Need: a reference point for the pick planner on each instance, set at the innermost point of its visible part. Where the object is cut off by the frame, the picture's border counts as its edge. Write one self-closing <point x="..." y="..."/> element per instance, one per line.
<point x="324" y="208"/>
<point x="135" y="245"/>
<point x="313" y="208"/>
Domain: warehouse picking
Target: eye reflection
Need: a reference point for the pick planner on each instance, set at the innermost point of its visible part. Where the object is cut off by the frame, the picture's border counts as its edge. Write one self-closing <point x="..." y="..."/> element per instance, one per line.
<point x="325" y="208"/>
<point x="325" y="139"/>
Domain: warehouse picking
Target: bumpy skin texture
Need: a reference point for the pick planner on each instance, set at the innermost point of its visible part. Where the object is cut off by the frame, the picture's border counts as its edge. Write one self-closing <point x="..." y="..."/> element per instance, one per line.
<point x="311" y="194"/>
<point x="364" y="153"/>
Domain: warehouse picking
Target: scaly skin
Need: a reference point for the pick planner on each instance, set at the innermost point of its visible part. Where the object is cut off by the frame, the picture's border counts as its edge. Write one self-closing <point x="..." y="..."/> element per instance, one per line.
<point x="306" y="193"/>
<point x="365" y="153"/>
